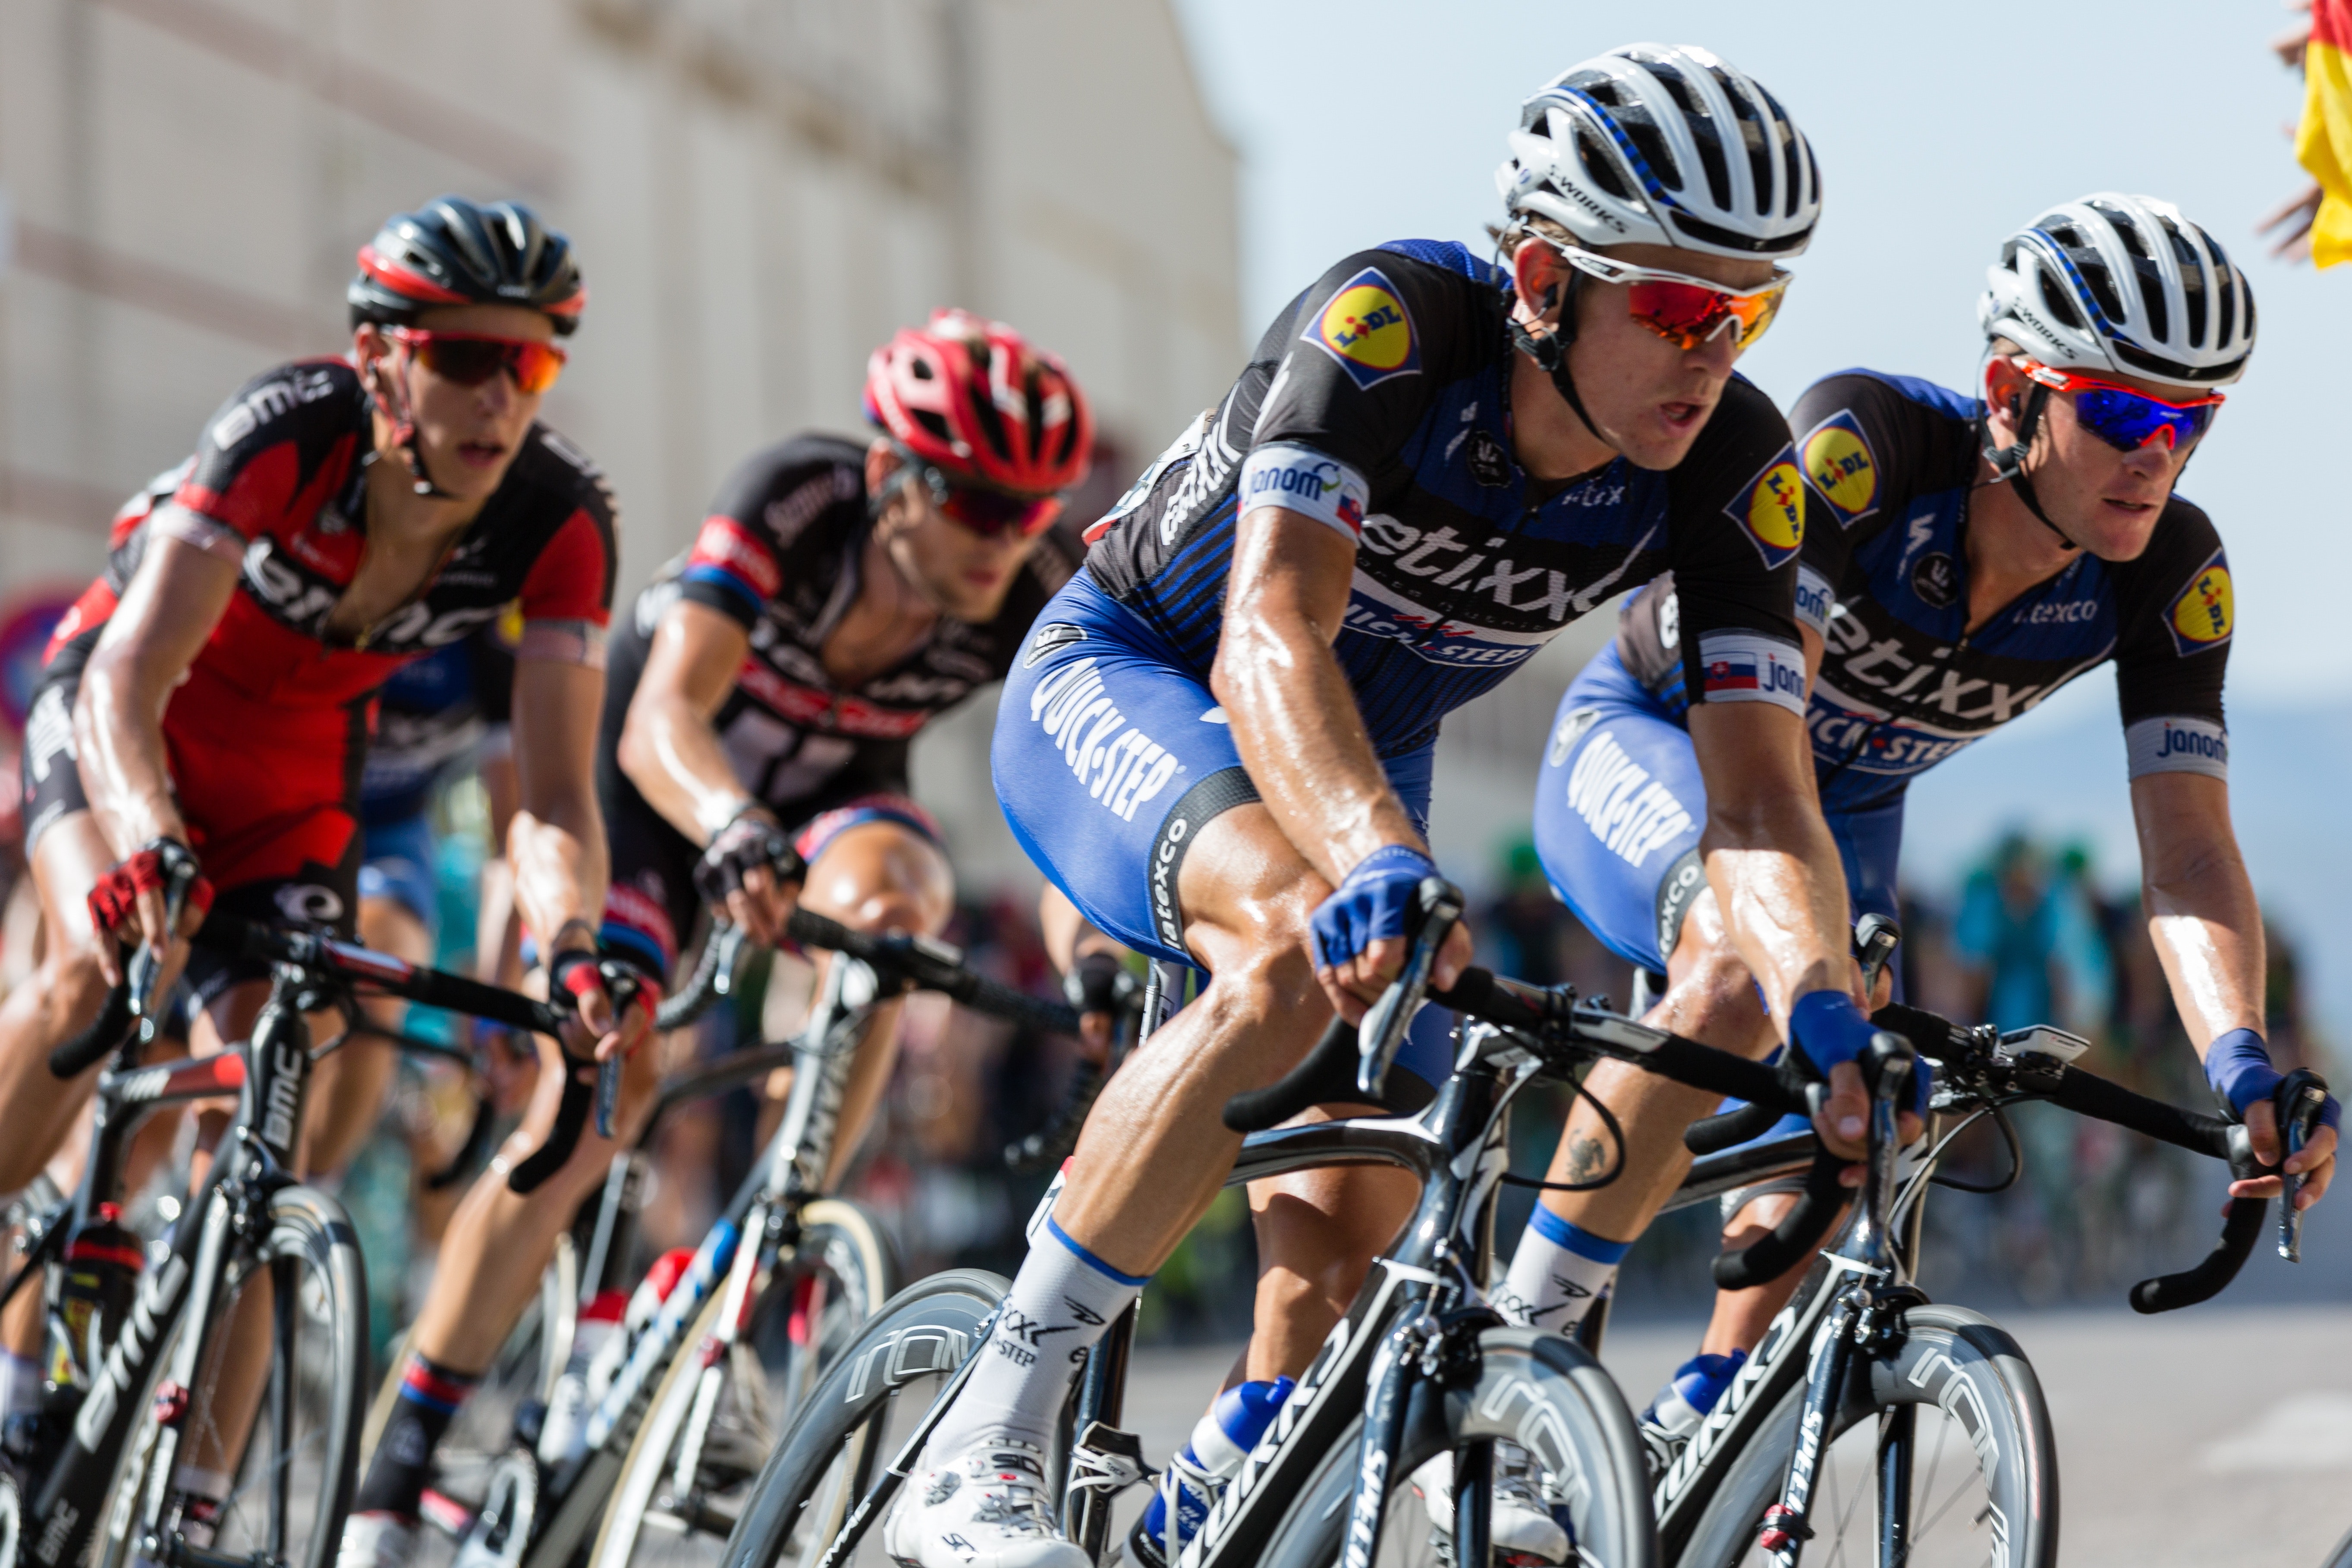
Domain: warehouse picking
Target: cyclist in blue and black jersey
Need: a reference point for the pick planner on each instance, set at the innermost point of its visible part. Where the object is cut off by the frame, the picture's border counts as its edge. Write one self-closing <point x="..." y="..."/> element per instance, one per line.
<point x="1218" y="739"/>
<point x="1964" y="560"/>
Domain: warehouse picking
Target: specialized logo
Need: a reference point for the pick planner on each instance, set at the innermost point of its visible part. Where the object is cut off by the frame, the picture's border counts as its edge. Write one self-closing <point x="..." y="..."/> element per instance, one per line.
<point x="1120" y="765"/>
<point x="1743" y="666"/>
<point x="1843" y="473"/>
<point x="1936" y="579"/>
<point x="1627" y="810"/>
<point x="1060" y="634"/>
<point x="1488" y="463"/>
<point x="2206" y="611"/>
<point x="1367" y="329"/>
<point x="1772" y="509"/>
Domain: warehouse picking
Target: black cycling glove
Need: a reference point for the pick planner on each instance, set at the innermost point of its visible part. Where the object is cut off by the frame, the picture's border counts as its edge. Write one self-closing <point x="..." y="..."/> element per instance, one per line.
<point x="752" y="839"/>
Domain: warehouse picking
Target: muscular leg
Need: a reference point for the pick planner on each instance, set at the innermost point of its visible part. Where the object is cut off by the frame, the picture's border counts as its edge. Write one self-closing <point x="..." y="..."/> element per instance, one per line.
<point x="347" y="1089"/>
<point x="1709" y="997"/>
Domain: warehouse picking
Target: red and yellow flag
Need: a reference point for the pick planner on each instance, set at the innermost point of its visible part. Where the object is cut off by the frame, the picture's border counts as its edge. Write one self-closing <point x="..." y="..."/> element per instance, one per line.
<point x="2322" y="142"/>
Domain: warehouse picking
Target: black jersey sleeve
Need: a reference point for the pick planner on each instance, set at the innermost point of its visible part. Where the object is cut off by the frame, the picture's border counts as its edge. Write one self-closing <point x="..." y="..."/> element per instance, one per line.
<point x="1857" y="435"/>
<point x="737" y="564"/>
<point x="2177" y="612"/>
<point x="257" y="452"/>
<point x="1735" y="519"/>
<point x="1356" y="359"/>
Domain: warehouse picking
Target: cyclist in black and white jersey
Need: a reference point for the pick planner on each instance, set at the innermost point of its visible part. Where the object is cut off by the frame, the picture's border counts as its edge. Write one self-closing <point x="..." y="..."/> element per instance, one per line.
<point x="1218" y="740"/>
<point x="1964" y="558"/>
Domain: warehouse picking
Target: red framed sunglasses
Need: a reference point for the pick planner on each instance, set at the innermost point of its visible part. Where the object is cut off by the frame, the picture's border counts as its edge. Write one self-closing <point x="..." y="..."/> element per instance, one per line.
<point x="2125" y="418"/>
<point x="469" y="358"/>
<point x="983" y="510"/>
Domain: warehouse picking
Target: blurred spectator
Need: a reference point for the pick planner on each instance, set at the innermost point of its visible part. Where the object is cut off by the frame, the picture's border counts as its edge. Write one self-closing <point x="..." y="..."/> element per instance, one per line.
<point x="2316" y="224"/>
<point x="2007" y="935"/>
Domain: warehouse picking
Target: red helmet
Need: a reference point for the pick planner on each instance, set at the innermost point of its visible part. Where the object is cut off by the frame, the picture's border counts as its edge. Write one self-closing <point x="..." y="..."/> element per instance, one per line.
<point x="972" y="398"/>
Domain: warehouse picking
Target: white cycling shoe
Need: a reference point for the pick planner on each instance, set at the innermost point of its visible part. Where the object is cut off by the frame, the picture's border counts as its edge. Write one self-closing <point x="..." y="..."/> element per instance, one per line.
<point x="1522" y="1528"/>
<point x="984" y="1509"/>
<point x="377" y="1541"/>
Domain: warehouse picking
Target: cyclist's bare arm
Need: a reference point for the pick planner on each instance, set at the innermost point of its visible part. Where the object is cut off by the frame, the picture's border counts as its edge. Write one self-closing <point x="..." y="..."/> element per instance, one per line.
<point x="673" y="756"/>
<point x="556" y="842"/>
<point x="2208" y="931"/>
<point x="1297" y="727"/>
<point x="168" y="611"/>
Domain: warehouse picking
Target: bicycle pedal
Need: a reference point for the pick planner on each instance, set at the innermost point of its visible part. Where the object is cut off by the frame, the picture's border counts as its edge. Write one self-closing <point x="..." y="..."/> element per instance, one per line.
<point x="1109" y="1459"/>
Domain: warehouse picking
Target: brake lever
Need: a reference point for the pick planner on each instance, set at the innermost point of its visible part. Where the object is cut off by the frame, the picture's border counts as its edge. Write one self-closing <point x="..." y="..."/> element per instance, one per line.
<point x="147" y="962"/>
<point x="2299" y="1098"/>
<point x="1381" y="1034"/>
<point x="621" y="987"/>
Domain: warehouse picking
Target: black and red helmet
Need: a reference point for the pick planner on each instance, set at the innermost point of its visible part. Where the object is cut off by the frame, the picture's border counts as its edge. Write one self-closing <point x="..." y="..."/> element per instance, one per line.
<point x="973" y="398"/>
<point x="453" y="252"/>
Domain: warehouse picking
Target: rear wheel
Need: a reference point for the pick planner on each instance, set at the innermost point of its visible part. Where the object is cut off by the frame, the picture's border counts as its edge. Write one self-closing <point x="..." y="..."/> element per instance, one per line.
<point x="1537" y="1390"/>
<point x="292" y="1487"/>
<point x="857" y="1417"/>
<point x="1981" y="1486"/>
<point x="720" y="1409"/>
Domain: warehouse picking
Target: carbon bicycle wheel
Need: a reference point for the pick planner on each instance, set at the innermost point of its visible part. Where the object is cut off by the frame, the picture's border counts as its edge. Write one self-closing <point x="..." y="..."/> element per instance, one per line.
<point x="855" y="1419"/>
<point x="1984" y="1485"/>
<point x="719" y="1410"/>
<point x="293" y="1483"/>
<point x="1538" y="1390"/>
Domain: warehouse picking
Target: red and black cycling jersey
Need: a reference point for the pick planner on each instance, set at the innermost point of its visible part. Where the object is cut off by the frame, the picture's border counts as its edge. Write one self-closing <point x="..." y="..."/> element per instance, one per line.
<point x="271" y="725"/>
<point x="1890" y="462"/>
<point x="1378" y="404"/>
<point x="782" y="553"/>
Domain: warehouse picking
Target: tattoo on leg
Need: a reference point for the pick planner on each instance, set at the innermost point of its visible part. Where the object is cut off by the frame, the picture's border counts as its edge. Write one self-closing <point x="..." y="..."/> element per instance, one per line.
<point x="1586" y="1158"/>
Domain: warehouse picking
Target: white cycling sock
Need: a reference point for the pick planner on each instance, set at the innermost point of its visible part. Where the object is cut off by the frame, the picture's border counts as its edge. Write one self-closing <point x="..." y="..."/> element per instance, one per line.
<point x="1556" y="1274"/>
<point x="1063" y="1301"/>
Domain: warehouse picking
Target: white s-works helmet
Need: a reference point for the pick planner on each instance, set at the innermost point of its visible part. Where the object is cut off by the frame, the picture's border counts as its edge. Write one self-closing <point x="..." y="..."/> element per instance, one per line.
<point x="1663" y="144"/>
<point x="2123" y="285"/>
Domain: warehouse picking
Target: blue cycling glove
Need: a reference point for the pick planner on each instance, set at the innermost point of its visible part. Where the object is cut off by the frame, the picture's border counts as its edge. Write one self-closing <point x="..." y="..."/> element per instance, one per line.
<point x="2238" y="1065"/>
<point x="1829" y="1029"/>
<point x="1373" y="903"/>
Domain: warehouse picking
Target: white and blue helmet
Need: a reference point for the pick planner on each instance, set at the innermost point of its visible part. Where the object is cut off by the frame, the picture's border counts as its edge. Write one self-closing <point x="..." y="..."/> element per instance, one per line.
<point x="1663" y="144"/>
<point x="2122" y="285"/>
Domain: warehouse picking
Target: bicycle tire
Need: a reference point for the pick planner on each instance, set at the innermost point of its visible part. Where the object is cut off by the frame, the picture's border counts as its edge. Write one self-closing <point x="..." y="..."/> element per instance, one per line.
<point x="1953" y="1360"/>
<point x="927" y="1330"/>
<point x="837" y="1236"/>
<point x="1537" y="1389"/>
<point x="309" y="1232"/>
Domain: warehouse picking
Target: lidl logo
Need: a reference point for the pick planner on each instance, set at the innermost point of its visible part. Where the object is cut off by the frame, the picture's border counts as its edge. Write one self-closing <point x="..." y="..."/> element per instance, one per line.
<point x="1366" y="328"/>
<point x="1772" y="509"/>
<point x="2206" y="611"/>
<point x="1839" y="463"/>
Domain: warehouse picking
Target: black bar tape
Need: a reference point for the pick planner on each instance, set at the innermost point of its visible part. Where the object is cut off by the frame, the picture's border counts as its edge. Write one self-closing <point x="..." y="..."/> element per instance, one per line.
<point x="571" y="1120"/>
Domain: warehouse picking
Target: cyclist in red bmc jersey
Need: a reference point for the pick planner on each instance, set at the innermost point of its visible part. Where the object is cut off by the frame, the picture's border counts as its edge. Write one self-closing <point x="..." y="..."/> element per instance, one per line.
<point x="208" y="699"/>
<point x="839" y="596"/>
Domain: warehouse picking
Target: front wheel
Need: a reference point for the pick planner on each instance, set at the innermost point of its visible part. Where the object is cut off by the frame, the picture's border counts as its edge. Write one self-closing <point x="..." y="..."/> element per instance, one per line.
<point x="855" y="1419"/>
<point x="1961" y="1416"/>
<point x="301" y="1294"/>
<point x="721" y="1407"/>
<point x="1537" y="1390"/>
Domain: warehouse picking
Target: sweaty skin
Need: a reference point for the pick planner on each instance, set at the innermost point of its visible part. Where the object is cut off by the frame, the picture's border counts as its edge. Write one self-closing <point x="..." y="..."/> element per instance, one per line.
<point x="1256" y="873"/>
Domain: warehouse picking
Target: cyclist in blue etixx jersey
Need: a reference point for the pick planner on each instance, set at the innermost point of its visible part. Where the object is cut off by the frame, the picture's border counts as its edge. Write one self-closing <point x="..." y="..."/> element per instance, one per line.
<point x="754" y="751"/>
<point x="1218" y="740"/>
<point x="1964" y="559"/>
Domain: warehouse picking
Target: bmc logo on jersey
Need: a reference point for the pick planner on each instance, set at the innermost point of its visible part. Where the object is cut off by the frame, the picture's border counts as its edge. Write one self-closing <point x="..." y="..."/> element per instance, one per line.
<point x="2206" y="611"/>
<point x="1772" y="509"/>
<point x="1366" y="328"/>
<point x="1839" y="464"/>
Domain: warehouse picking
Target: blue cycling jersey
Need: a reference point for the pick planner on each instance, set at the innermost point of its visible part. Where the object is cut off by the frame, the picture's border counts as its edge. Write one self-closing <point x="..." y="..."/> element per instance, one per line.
<point x="1379" y="404"/>
<point x="1890" y="464"/>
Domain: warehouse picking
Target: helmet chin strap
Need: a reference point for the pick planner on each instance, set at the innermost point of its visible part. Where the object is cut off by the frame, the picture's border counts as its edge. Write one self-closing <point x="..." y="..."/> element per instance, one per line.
<point x="2009" y="462"/>
<point x="404" y="436"/>
<point x="1551" y="355"/>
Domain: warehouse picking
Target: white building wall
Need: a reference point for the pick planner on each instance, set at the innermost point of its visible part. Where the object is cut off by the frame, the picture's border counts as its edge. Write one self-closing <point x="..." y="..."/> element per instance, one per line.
<point x="761" y="191"/>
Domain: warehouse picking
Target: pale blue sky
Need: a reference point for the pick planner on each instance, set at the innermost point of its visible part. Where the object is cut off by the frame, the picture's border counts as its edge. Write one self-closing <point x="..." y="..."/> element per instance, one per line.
<point x="1938" y="129"/>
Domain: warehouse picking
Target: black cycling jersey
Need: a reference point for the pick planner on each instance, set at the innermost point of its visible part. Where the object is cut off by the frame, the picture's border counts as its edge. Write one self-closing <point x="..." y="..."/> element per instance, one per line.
<point x="1379" y="402"/>
<point x="1890" y="461"/>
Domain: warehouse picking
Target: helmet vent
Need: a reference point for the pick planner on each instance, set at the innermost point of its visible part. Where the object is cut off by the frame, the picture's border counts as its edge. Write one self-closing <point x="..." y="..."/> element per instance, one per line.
<point x="1600" y="165"/>
<point x="1642" y="132"/>
<point x="2103" y="286"/>
<point x="933" y="421"/>
<point x="2227" y="290"/>
<point x="1703" y="128"/>
<point x="2133" y="241"/>
<point x="2053" y="299"/>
